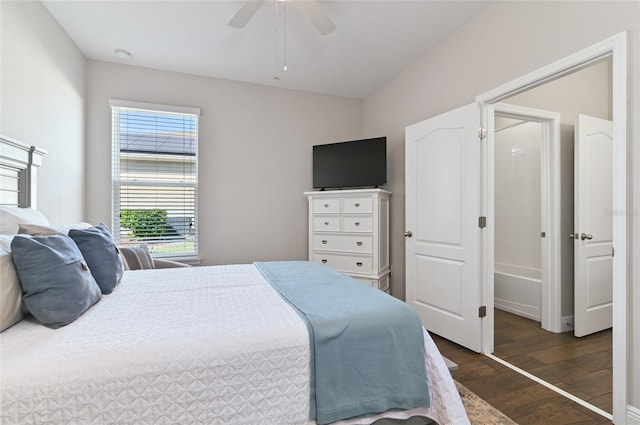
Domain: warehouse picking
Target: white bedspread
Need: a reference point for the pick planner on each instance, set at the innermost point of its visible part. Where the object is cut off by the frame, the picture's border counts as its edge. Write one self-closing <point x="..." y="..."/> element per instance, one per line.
<point x="203" y="345"/>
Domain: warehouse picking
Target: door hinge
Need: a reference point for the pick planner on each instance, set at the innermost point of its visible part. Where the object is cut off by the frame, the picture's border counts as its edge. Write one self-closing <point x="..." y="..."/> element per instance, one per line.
<point x="482" y="133"/>
<point x="482" y="311"/>
<point x="482" y="222"/>
<point x="613" y="252"/>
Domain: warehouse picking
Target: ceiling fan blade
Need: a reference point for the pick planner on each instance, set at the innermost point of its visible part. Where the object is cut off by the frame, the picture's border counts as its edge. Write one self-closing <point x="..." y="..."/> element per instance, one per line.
<point x="318" y="18"/>
<point x="246" y="12"/>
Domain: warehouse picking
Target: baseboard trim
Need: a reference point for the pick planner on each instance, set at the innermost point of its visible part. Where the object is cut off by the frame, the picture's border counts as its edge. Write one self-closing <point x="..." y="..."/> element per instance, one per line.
<point x="567" y="323"/>
<point x="633" y="415"/>
<point x="523" y="310"/>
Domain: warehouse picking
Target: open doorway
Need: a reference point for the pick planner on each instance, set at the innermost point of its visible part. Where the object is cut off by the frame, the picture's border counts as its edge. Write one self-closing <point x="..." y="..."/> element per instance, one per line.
<point x="518" y="217"/>
<point x="527" y="259"/>
<point x="527" y="289"/>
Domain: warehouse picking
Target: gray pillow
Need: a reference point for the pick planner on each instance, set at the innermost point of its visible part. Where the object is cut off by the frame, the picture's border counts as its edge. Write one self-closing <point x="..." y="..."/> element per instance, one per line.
<point x="137" y="258"/>
<point x="55" y="280"/>
<point x="101" y="255"/>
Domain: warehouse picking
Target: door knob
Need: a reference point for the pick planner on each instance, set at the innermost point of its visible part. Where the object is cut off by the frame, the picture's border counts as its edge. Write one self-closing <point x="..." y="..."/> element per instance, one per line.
<point x="584" y="236"/>
<point x="573" y="236"/>
<point x="408" y="234"/>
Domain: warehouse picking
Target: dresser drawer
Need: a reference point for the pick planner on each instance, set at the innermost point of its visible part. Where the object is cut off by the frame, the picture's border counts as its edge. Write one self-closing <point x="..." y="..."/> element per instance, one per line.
<point x="326" y="224"/>
<point x="326" y="205"/>
<point x="345" y="263"/>
<point x="357" y="224"/>
<point x="345" y="243"/>
<point x="357" y="205"/>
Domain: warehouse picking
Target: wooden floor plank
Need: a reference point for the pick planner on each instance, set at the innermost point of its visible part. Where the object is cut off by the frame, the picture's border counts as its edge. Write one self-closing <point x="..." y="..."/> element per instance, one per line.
<point x="557" y="372"/>
<point x="593" y="362"/>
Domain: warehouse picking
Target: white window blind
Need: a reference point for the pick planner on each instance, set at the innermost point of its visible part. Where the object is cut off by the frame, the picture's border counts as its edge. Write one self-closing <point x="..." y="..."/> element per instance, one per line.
<point x="155" y="177"/>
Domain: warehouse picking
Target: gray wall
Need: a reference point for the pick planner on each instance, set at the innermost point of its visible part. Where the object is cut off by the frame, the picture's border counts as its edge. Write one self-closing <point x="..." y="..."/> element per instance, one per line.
<point x="255" y="155"/>
<point x="43" y="94"/>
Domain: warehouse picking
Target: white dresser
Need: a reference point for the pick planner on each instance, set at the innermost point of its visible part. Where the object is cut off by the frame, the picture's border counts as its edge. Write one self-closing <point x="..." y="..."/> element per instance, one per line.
<point x="349" y="231"/>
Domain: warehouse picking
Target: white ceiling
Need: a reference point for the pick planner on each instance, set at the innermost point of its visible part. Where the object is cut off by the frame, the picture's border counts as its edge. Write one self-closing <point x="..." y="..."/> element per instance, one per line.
<point x="373" y="40"/>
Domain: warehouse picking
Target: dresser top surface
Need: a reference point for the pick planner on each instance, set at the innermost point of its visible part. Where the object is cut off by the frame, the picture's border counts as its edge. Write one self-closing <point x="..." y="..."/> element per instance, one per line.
<point x="333" y="193"/>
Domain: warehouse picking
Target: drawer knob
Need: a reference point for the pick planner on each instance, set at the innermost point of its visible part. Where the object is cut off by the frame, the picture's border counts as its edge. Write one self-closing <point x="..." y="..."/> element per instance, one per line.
<point x="326" y="205"/>
<point x="359" y="264"/>
<point x="326" y="223"/>
<point x="357" y="223"/>
<point x="324" y="261"/>
<point x="324" y="242"/>
<point x="357" y="205"/>
<point x="359" y="243"/>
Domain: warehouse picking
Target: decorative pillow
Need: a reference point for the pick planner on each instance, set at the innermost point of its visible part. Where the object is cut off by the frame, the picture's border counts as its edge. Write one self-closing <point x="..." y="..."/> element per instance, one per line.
<point x="10" y="217"/>
<point x="137" y="258"/>
<point x="57" y="284"/>
<point x="168" y="264"/>
<point x="40" y="230"/>
<point x="101" y="254"/>
<point x="11" y="307"/>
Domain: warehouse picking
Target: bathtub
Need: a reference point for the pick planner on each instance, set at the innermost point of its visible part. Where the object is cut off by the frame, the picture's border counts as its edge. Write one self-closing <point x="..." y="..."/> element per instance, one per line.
<point x="517" y="290"/>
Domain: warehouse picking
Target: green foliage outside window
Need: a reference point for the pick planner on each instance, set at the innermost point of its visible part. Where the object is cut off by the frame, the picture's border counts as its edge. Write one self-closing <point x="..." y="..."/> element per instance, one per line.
<point x="144" y="223"/>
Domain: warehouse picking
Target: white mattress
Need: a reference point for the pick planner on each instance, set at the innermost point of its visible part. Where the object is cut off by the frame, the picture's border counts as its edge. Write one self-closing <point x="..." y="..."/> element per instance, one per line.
<point x="202" y="345"/>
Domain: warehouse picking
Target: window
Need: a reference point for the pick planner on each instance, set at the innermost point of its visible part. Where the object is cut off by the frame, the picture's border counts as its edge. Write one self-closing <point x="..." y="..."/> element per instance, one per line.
<point x="155" y="177"/>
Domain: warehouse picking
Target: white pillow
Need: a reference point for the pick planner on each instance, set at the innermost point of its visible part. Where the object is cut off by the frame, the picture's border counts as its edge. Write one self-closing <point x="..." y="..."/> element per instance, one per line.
<point x="39" y="230"/>
<point x="11" y="217"/>
<point x="11" y="306"/>
<point x="5" y="242"/>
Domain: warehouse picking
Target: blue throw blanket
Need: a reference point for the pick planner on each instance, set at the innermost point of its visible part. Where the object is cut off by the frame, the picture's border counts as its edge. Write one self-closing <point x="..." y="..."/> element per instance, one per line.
<point x="367" y="348"/>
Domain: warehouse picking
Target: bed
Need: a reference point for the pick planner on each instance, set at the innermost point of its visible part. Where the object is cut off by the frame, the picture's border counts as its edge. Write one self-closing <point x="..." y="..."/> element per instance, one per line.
<point x="210" y="345"/>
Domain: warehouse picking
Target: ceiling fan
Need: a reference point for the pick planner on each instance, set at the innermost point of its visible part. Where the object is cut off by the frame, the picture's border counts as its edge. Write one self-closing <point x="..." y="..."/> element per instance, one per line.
<point x="310" y="8"/>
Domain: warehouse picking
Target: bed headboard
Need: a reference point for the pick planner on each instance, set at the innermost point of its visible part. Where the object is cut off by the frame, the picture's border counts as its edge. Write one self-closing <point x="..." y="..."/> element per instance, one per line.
<point x="18" y="168"/>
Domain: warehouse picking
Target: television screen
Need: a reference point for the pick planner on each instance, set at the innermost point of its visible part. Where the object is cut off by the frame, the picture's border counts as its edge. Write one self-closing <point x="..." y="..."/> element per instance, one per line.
<point x="357" y="163"/>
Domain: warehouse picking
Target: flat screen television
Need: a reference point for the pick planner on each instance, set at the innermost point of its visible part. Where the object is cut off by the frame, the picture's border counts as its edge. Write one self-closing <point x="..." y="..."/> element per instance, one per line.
<point x="352" y="164"/>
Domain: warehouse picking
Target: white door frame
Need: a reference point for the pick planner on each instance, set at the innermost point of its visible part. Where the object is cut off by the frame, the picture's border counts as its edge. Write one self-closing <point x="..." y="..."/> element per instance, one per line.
<point x="550" y="311"/>
<point x="616" y="48"/>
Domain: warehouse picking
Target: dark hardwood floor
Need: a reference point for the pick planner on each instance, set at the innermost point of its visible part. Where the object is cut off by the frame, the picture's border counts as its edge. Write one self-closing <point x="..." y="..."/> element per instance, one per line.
<point x="523" y="400"/>
<point x="580" y="366"/>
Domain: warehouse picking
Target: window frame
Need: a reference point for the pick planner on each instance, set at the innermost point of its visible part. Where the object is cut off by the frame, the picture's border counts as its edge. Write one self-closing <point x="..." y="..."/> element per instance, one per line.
<point x="117" y="106"/>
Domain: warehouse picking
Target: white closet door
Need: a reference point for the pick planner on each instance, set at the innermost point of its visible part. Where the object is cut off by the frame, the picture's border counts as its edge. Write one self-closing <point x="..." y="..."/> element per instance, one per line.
<point x="593" y="222"/>
<point x="443" y="238"/>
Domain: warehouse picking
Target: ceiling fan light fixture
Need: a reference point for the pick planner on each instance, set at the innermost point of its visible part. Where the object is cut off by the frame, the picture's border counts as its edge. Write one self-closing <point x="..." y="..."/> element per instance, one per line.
<point x="122" y="54"/>
<point x="310" y="8"/>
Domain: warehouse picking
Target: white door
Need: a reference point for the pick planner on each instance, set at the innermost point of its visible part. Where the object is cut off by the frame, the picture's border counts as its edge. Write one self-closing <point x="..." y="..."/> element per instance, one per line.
<point x="593" y="223"/>
<point x="442" y="166"/>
